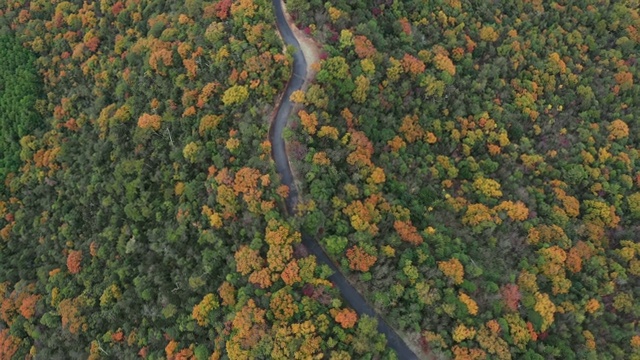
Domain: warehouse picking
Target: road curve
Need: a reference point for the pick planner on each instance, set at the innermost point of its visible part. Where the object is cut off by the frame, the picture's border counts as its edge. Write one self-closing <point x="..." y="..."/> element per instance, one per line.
<point x="349" y="293"/>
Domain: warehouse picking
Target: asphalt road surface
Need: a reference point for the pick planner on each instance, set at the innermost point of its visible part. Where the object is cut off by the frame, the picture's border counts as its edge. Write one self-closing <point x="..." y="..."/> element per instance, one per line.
<point x="349" y="293"/>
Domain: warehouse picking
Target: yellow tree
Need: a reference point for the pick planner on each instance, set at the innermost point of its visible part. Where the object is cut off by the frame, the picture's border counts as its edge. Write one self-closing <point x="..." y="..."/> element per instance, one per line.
<point x="478" y="214"/>
<point x="235" y="95"/>
<point x="297" y="97"/>
<point x="546" y="308"/>
<point x="247" y="260"/>
<point x="462" y="333"/>
<point x="472" y="306"/>
<point x="518" y="329"/>
<point x="202" y="310"/>
<point x="600" y="213"/>
<point x="209" y="122"/>
<point x="359" y="94"/>
<point x="411" y="129"/>
<point x="618" y="129"/>
<point x="453" y="269"/>
<point x="283" y="305"/>
<point x="444" y="63"/>
<point x="309" y="121"/>
<point x="261" y="278"/>
<point x="487" y="187"/>
<point x="279" y="236"/>
<point x="517" y="211"/>
<point x="227" y="293"/>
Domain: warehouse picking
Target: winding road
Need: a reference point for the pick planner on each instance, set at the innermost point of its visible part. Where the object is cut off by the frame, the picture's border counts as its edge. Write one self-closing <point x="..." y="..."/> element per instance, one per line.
<point x="349" y="293"/>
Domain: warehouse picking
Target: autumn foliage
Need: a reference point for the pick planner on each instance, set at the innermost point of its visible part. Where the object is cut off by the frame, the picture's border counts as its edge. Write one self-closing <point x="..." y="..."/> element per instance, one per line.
<point x="471" y="166"/>
<point x="8" y="344"/>
<point x="511" y="296"/>
<point x="359" y="259"/>
<point x="346" y="317"/>
<point x="453" y="269"/>
<point x="149" y="121"/>
<point x="74" y="260"/>
<point x="202" y="310"/>
<point x="408" y="232"/>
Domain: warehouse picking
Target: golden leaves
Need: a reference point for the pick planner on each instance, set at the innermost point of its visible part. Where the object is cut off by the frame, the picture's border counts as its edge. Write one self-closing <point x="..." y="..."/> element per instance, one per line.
<point x="297" y="97"/>
<point x="261" y="277"/>
<point x="209" y="122"/>
<point x="592" y="306"/>
<point x="235" y="95"/>
<point x="546" y="308"/>
<point x="227" y="293"/>
<point x="69" y="310"/>
<point x="202" y="310"/>
<point x="309" y="121"/>
<point x="320" y="158"/>
<point x="487" y="187"/>
<point x="453" y="269"/>
<point x="472" y="306"/>
<point x="396" y="144"/>
<point x="462" y="333"/>
<point x="247" y="260"/>
<point x="489" y="34"/>
<point x="411" y="128"/>
<point x="283" y="305"/>
<point x="517" y="211"/>
<point x="444" y="63"/>
<point x="618" y="129"/>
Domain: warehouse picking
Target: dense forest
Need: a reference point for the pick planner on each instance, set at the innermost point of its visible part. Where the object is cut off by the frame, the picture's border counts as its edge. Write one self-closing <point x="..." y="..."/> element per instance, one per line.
<point x="474" y="166"/>
<point x="141" y="214"/>
<point x="20" y="87"/>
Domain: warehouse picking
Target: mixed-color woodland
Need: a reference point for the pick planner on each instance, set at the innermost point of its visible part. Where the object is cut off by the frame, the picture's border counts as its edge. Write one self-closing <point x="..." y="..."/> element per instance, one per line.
<point x="473" y="166"/>
<point x="140" y="213"/>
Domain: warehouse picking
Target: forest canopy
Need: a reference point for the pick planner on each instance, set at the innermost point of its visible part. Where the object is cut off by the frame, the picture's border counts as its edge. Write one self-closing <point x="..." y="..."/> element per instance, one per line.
<point x="481" y="180"/>
<point x="20" y="87"/>
<point x="145" y="215"/>
<point x="473" y="167"/>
